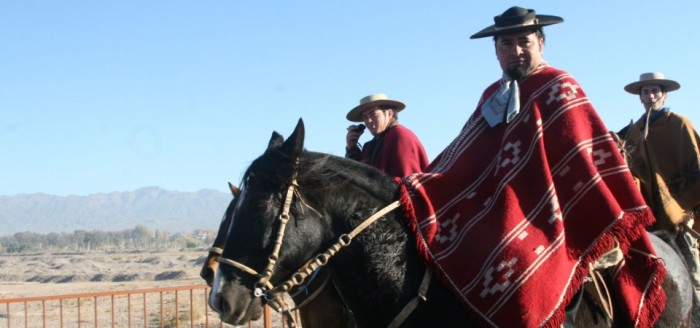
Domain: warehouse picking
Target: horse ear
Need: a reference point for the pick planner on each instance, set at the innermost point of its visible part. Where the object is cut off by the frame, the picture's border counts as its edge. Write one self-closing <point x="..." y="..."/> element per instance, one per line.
<point x="275" y="140"/>
<point x="235" y="191"/>
<point x="295" y="144"/>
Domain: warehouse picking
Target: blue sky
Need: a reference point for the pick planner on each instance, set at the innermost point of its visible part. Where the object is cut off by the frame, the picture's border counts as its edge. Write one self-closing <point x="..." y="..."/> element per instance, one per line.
<point x="102" y="96"/>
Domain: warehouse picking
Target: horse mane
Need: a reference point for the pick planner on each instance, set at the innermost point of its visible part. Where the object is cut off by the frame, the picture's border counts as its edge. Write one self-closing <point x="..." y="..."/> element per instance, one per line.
<point x="315" y="169"/>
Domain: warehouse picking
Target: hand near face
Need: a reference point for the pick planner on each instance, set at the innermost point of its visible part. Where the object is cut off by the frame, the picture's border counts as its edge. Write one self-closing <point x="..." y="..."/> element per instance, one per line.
<point x="353" y="136"/>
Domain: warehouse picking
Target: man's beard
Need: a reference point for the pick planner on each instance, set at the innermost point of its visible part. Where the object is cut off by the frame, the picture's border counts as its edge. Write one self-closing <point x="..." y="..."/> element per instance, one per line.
<point x="517" y="73"/>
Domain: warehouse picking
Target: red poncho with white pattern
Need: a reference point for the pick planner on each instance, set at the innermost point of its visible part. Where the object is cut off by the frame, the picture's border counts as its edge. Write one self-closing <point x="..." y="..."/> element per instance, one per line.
<point x="511" y="216"/>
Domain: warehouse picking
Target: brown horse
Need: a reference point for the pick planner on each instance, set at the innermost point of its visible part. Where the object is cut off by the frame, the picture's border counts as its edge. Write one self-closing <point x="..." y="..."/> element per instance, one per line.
<point x="318" y="301"/>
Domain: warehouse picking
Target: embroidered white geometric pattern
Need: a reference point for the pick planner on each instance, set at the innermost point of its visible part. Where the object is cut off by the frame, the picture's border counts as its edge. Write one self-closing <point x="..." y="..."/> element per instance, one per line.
<point x="507" y="267"/>
<point x="523" y="235"/>
<point x="561" y="91"/>
<point x="514" y="148"/>
<point x="447" y="230"/>
<point x="539" y="249"/>
<point x="554" y="206"/>
<point x="599" y="156"/>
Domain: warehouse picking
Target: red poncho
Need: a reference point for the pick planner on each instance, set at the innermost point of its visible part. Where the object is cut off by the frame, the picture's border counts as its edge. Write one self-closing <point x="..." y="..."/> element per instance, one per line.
<point x="511" y="216"/>
<point x="396" y="152"/>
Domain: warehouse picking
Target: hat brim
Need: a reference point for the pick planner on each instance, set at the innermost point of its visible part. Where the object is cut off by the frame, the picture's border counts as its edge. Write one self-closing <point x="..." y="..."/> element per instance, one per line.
<point x="355" y="114"/>
<point x="670" y="85"/>
<point x="542" y="20"/>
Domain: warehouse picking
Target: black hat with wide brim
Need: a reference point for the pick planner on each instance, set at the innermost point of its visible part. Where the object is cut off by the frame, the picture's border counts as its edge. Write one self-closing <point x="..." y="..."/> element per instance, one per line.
<point x="517" y="19"/>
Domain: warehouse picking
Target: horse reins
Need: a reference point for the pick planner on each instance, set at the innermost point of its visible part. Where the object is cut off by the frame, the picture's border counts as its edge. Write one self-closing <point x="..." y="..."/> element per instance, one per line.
<point x="263" y="287"/>
<point x="323" y="258"/>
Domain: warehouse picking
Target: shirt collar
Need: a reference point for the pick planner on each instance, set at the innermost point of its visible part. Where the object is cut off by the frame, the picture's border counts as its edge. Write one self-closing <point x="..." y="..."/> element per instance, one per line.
<point x="656" y="114"/>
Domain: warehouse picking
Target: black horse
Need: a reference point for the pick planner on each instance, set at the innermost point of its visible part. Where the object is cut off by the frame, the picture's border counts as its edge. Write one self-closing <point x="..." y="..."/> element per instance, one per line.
<point x="297" y="204"/>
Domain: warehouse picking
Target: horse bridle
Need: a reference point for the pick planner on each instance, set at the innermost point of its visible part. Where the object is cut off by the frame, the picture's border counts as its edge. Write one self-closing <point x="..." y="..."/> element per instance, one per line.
<point x="263" y="282"/>
<point x="273" y="294"/>
<point x="302" y="290"/>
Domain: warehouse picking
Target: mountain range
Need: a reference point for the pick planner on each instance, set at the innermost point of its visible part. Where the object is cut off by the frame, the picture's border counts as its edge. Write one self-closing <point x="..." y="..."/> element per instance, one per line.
<point x="152" y="207"/>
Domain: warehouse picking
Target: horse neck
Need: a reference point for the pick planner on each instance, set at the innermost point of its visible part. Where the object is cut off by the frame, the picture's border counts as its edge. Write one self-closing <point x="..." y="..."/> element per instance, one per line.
<point x="376" y="271"/>
<point x="380" y="272"/>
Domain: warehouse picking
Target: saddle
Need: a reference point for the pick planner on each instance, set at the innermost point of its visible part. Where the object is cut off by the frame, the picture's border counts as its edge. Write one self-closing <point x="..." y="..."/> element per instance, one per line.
<point x="595" y="289"/>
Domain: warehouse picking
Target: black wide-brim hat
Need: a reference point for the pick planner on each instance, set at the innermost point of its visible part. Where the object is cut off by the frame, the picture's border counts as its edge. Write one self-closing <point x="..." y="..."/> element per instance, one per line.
<point x="517" y="19"/>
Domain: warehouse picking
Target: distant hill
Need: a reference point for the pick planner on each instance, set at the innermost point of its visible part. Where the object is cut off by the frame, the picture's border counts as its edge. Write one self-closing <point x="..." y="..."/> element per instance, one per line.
<point x="152" y="207"/>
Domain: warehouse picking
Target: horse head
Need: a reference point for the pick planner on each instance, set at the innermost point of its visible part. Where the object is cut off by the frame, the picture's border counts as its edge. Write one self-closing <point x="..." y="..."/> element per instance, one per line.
<point x="317" y="300"/>
<point x="259" y="251"/>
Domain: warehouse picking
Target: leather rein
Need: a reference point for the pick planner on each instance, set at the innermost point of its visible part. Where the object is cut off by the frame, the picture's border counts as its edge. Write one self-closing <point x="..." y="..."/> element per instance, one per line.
<point x="274" y="294"/>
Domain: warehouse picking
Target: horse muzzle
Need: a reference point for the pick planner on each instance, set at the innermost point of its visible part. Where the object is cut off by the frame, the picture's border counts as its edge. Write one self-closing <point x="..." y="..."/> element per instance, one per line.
<point x="234" y="303"/>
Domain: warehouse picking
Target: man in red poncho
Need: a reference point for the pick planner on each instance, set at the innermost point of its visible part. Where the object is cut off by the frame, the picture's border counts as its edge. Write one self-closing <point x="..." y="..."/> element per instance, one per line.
<point x="530" y="194"/>
<point x="394" y="149"/>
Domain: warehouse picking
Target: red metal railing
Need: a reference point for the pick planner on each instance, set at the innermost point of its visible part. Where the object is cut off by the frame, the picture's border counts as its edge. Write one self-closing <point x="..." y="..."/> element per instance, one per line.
<point x="181" y="306"/>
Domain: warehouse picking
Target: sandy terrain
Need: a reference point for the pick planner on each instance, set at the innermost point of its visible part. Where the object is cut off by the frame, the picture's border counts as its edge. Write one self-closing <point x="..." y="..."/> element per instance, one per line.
<point x="70" y="273"/>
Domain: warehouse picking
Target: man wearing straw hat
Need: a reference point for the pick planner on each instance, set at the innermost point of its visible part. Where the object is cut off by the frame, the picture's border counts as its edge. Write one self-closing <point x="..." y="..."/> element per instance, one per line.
<point x="664" y="156"/>
<point x="516" y="211"/>
<point x="394" y="149"/>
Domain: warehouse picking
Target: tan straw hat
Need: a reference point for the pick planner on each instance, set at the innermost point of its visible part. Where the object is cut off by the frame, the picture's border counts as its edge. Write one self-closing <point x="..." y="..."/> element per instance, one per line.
<point x="516" y="19"/>
<point x="652" y="78"/>
<point x="377" y="99"/>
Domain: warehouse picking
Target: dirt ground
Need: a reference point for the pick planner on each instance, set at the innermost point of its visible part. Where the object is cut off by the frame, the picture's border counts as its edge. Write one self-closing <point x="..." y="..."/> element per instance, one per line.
<point x="56" y="274"/>
<point x="71" y="273"/>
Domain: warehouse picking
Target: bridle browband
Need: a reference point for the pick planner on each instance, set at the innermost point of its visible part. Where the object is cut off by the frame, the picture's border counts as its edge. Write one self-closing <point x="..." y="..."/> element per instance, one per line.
<point x="273" y="294"/>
